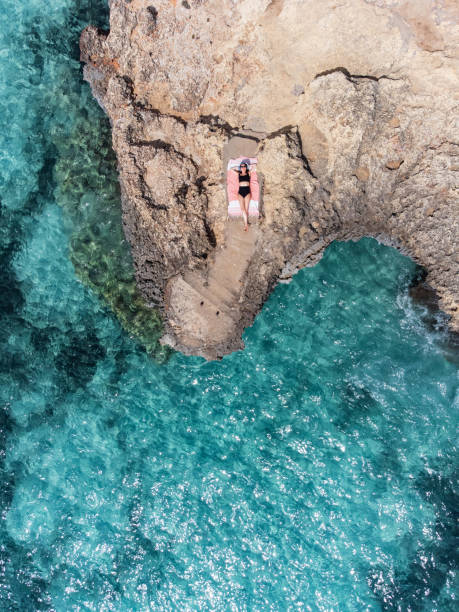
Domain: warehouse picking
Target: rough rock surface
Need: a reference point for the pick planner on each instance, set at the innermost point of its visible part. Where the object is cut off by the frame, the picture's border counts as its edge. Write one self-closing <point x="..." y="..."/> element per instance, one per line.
<point x="353" y="106"/>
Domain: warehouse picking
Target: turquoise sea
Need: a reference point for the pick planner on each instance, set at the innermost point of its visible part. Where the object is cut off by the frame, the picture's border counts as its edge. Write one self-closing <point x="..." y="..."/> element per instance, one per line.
<point x="315" y="470"/>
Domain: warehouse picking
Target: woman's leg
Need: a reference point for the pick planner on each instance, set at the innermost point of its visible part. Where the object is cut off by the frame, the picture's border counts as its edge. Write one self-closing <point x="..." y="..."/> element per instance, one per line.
<point x="246" y="205"/>
<point x="242" y="205"/>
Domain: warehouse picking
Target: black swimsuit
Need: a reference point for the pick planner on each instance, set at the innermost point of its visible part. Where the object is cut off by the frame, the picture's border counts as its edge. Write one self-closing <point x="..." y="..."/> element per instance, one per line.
<point x="244" y="190"/>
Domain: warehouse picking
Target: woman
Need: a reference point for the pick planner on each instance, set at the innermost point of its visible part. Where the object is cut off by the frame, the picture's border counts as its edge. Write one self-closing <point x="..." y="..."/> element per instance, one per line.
<point x="244" y="192"/>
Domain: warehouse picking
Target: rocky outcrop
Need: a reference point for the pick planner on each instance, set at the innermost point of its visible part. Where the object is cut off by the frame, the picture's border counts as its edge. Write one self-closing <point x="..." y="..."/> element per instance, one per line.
<point x="352" y="107"/>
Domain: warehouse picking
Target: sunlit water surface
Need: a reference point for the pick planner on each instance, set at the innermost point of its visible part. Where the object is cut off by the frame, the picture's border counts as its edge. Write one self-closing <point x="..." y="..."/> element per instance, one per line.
<point x="316" y="470"/>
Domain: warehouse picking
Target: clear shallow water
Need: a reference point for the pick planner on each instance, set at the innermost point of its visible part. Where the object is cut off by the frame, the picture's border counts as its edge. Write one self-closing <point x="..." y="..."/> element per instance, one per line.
<point x="315" y="470"/>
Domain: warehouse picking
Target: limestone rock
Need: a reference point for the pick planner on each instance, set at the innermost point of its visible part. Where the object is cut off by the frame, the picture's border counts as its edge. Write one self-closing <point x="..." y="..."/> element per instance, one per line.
<point x="394" y="164"/>
<point x="352" y="107"/>
<point x="362" y="173"/>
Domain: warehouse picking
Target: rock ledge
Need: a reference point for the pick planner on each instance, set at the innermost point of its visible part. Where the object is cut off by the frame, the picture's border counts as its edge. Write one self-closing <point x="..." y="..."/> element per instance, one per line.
<point x="351" y="107"/>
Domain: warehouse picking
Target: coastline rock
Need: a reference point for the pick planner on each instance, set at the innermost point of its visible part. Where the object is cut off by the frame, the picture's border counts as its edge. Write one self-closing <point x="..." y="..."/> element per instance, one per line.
<point x="352" y="109"/>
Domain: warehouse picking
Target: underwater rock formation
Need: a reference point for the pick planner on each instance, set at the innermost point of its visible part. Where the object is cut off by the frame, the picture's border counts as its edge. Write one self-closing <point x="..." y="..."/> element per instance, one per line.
<point x="353" y="106"/>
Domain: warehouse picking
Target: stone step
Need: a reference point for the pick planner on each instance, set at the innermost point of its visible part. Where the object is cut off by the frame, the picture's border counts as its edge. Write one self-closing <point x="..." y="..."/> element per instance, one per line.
<point x="227" y="289"/>
<point x="232" y="268"/>
<point x="214" y="294"/>
<point x="233" y="255"/>
<point x="242" y="240"/>
<point x="199" y="323"/>
<point x="222" y="292"/>
<point x="227" y="273"/>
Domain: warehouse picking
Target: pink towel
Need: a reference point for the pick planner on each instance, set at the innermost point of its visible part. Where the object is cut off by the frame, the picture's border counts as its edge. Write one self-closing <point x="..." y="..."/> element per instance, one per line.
<point x="232" y="185"/>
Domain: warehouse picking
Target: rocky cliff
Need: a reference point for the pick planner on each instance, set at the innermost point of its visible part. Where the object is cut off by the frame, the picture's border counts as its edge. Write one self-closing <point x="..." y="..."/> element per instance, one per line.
<point x="351" y="107"/>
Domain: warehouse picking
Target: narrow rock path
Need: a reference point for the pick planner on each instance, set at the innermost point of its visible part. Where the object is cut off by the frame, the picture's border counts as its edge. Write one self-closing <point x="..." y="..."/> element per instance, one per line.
<point x="203" y="306"/>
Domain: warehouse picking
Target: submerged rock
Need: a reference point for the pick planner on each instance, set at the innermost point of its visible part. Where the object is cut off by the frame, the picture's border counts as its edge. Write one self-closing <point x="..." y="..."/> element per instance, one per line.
<point x="352" y="106"/>
<point x="89" y="195"/>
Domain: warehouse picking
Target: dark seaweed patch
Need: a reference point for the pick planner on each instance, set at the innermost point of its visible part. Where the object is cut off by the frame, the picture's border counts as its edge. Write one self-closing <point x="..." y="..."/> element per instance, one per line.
<point x="44" y="338"/>
<point x="45" y="175"/>
<point x="356" y="404"/>
<point x="11" y="299"/>
<point x="77" y="360"/>
<point x="427" y="572"/>
<point x="7" y="479"/>
<point x="22" y="589"/>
